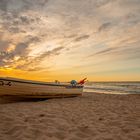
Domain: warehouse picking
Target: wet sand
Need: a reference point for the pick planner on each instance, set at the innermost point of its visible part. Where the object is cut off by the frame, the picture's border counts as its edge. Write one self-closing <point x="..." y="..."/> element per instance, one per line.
<point x="90" y="117"/>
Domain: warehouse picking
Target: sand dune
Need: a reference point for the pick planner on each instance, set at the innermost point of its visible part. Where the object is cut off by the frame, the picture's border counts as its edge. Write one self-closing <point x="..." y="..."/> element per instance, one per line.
<point x="90" y="117"/>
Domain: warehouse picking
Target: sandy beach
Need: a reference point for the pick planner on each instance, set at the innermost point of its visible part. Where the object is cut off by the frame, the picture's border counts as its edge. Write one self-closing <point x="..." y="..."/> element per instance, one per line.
<point x="89" y="117"/>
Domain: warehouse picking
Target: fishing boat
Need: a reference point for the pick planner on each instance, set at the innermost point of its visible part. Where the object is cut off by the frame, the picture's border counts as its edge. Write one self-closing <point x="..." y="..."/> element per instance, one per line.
<point x="37" y="89"/>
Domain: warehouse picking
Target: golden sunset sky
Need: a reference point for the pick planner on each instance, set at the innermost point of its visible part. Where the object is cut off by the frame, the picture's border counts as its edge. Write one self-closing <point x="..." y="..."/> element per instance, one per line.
<point x="70" y="39"/>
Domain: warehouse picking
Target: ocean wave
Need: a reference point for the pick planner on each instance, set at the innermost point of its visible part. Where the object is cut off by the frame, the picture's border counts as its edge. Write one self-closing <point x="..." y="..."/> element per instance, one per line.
<point x="113" y="88"/>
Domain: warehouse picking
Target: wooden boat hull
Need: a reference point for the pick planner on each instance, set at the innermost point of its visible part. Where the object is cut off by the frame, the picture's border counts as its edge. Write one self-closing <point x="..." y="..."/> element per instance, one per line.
<point x="33" y="89"/>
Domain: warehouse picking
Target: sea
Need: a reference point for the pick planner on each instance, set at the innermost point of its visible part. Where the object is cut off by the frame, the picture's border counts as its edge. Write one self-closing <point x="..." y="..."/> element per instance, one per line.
<point x="113" y="87"/>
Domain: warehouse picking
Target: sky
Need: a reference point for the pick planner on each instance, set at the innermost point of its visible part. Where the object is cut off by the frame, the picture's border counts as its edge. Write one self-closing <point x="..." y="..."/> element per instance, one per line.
<point x="70" y="39"/>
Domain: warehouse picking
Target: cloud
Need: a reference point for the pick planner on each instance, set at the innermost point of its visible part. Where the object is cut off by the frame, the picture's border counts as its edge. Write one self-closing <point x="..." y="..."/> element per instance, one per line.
<point x="104" y="26"/>
<point x="20" y="6"/>
<point x="78" y="25"/>
<point x="8" y="58"/>
<point x="21" y="47"/>
<point x="100" y="3"/>
<point x="105" y="51"/>
<point x="32" y="63"/>
<point x="81" y="38"/>
<point x="26" y="20"/>
<point x="55" y="51"/>
<point x="122" y="51"/>
<point x="3" y="5"/>
<point x="4" y="45"/>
